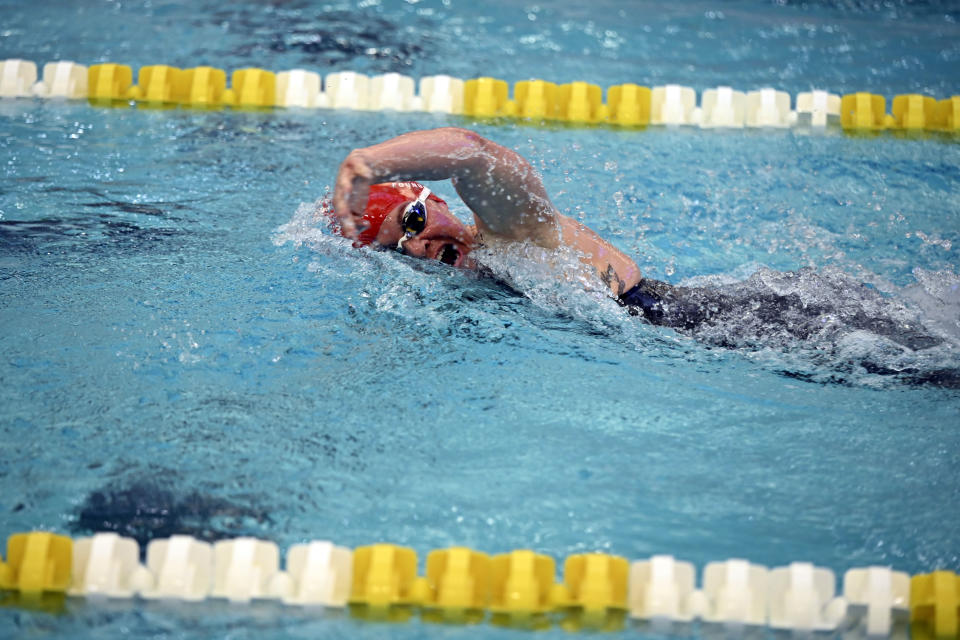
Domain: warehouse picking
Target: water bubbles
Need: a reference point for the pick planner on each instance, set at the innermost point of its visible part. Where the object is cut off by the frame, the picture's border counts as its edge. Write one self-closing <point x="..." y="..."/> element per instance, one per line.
<point x="671" y="266"/>
<point x="934" y="240"/>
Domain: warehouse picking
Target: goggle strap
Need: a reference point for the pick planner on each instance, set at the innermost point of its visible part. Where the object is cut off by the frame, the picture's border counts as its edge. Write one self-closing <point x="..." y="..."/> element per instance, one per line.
<point x="424" y="194"/>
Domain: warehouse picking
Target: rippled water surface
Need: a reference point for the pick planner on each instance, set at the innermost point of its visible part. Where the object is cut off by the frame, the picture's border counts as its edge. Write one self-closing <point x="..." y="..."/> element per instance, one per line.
<point x="186" y="348"/>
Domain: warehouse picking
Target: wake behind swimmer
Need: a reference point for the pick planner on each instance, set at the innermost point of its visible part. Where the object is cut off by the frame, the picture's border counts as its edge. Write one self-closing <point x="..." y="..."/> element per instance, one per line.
<point x="378" y="201"/>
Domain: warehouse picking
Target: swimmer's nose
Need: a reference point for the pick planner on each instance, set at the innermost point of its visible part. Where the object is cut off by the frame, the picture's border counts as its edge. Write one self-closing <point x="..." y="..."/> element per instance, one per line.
<point x="415" y="246"/>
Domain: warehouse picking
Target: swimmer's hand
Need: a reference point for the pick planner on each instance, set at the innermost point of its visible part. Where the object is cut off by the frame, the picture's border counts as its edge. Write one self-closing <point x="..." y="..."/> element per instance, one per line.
<point x="351" y="191"/>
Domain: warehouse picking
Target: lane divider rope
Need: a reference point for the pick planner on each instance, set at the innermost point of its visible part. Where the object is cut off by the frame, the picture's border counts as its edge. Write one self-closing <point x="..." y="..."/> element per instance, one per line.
<point x="463" y="586"/>
<point x="627" y="105"/>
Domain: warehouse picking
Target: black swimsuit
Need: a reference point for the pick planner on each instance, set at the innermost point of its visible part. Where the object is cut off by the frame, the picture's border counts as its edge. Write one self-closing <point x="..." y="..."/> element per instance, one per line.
<point x="643" y="299"/>
<point x="688" y="308"/>
<point x="668" y="306"/>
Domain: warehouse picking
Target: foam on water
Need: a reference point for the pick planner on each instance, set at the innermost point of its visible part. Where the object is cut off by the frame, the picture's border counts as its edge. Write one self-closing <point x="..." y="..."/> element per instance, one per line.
<point x="937" y="295"/>
<point x="835" y="327"/>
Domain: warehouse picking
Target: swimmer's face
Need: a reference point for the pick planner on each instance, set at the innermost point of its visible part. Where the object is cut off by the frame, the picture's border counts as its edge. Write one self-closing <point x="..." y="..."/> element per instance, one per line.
<point x="443" y="238"/>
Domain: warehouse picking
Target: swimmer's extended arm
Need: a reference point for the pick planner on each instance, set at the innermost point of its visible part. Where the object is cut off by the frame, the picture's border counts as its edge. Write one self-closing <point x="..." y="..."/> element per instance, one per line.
<point x="501" y="188"/>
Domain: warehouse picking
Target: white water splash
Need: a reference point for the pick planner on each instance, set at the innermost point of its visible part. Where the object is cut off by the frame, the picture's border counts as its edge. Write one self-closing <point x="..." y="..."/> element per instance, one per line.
<point x="304" y="227"/>
<point x="937" y="296"/>
<point x="554" y="279"/>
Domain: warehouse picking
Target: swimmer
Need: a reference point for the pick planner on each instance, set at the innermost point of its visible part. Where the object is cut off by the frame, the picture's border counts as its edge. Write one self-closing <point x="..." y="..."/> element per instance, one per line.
<point x="377" y="201"/>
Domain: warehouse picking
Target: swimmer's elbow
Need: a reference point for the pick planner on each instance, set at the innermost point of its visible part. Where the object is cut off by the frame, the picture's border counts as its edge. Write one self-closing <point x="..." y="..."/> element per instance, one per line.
<point x="476" y="158"/>
<point x="471" y="152"/>
<point x="465" y="136"/>
<point x="469" y="143"/>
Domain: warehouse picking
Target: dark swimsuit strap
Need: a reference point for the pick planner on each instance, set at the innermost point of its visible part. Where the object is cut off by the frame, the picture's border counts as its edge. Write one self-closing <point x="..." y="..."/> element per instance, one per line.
<point x="645" y="298"/>
<point x="670" y="306"/>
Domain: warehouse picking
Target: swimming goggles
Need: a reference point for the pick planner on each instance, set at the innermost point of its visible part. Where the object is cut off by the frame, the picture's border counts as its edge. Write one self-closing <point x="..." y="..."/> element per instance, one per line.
<point x="413" y="220"/>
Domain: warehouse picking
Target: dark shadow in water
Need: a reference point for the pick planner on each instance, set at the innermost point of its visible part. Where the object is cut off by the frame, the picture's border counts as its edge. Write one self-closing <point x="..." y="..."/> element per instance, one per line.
<point x="92" y="233"/>
<point x="95" y="232"/>
<point x="98" y="231"/>
<point x="144" y="510"/>
<point x="127" y="207"/>
<point x="942" y="378"/>
<point x="892" y="9"/>
<point x="327" y="38"/>
<point x="160" y="209"/>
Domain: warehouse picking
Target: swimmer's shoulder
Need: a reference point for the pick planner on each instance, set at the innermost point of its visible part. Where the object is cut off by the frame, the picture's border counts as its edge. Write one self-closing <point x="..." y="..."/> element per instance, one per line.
<point x="617" y="270"/>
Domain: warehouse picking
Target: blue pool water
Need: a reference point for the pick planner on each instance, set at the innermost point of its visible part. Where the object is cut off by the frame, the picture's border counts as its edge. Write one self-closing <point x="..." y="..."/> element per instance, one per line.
<point x="187" y="349"/>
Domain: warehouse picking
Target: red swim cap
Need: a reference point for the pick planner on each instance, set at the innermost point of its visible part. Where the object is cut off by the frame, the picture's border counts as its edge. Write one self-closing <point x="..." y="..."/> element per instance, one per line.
<point x="383" y="199"/>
